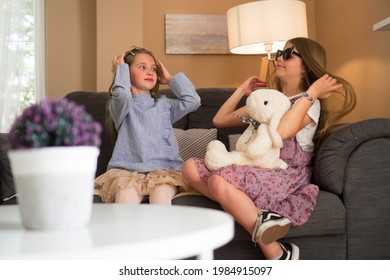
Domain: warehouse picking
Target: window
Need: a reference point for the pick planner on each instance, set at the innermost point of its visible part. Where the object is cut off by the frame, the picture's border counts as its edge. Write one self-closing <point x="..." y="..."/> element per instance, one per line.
<point x="22" y="53"/>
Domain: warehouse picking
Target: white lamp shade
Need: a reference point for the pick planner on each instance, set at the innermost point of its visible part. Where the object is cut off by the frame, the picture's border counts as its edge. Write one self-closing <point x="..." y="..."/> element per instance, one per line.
<point x="255" y="25"/>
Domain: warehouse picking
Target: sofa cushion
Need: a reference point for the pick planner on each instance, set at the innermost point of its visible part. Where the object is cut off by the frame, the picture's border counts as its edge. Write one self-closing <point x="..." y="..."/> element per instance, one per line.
<point x="328" y="217"/>
<point x="95" y="104"/>
<point x="193" y="142"/>
<point x="212" y="99"/>
<point x="232" y="141"/>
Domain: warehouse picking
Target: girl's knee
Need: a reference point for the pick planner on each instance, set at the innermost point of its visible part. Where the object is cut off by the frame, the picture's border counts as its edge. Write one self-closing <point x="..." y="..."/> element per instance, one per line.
<point x="217" y="185"/>
<point x="128" y="195"/>
<point x="163" y="194"/>
<point x="188" y="170"/>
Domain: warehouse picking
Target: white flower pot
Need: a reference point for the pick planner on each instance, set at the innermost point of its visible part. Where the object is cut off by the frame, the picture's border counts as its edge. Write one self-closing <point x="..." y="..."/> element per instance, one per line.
<point x="54" y="185"/>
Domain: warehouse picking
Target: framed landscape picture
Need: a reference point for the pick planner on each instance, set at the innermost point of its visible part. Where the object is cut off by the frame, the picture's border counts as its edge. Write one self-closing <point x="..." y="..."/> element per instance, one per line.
<point x="196" y="34"/>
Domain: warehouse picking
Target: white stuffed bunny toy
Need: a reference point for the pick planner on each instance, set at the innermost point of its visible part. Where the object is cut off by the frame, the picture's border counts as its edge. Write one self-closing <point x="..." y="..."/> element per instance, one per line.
<point x="260" y="143"/>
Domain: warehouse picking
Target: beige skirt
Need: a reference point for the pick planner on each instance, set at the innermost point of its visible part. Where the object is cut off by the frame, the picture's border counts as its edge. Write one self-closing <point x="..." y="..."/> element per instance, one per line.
<point x="108" y="183"/>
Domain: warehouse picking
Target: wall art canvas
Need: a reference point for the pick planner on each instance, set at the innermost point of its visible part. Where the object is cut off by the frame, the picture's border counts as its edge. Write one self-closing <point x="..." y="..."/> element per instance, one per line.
<point x="196" y="34"/>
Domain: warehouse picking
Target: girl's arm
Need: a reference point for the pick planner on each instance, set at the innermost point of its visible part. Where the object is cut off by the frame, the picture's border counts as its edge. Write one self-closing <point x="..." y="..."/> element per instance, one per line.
<point x="296" y="118"/>
<point x="187" y="100"/>
<point x="225" y="115"/>
<point x="164" y="77"/>
<point x="121" y="96"/>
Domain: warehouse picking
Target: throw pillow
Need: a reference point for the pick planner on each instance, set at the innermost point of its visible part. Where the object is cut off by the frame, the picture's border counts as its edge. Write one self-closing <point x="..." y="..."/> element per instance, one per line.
<point x="193" y="142"/>
<point x="232" y="141"/>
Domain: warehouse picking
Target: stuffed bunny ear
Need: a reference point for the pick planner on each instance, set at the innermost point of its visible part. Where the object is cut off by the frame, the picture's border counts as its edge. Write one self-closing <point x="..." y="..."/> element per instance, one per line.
<point x="277" y="140"/>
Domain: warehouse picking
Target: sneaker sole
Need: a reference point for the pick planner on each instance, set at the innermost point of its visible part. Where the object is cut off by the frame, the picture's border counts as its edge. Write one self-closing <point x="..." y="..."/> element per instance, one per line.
<point x="272" y="231"/>
<point x="295" y="252"/>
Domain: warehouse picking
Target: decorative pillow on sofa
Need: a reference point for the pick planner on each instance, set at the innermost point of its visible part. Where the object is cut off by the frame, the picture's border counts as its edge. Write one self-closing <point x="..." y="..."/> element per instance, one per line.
<point x="193" y="142"/>
<point x="232" y="141"/>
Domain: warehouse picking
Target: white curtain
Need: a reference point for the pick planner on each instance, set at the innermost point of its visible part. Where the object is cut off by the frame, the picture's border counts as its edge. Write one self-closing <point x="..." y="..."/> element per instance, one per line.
<point x="16" y="22"/>
<point x="40" y="50"/>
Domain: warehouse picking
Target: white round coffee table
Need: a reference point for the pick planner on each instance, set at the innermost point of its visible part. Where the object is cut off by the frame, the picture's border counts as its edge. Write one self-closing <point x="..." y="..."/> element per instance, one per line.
<point x="119" y="231"/>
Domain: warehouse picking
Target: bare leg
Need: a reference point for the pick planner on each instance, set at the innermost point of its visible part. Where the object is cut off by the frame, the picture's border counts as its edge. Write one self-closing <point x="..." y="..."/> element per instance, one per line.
<point x="232" y="200"/>
<point x="163" y="195"/>
<point x="128" y="195"/>
<point x="190" y="174"/>
<point x="242" y="208"/>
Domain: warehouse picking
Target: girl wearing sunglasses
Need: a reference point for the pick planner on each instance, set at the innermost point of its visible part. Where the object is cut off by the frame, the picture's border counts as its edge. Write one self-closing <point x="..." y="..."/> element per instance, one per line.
<point x="266" y="202"/>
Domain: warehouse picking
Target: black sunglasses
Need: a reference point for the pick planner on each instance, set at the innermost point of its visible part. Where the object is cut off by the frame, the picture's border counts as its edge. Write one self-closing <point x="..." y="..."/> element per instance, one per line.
<point x="286" y="53"/>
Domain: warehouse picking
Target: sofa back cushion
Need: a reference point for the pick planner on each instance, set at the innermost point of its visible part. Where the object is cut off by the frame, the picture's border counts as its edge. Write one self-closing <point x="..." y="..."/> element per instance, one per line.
<point x="193" y="142"/>
<point x="95" y="104"/>
<point x="211" y="100"/>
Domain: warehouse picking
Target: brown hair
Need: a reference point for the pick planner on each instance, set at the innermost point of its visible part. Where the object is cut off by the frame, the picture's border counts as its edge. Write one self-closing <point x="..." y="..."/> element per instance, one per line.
<point x="129" y="60"/>
<point x="314" y="60"/>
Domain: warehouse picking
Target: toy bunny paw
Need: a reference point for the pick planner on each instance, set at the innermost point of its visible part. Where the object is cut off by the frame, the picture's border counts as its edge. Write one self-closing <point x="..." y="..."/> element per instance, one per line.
<point x="216" y="155"/>
<point x="281" y="164"/>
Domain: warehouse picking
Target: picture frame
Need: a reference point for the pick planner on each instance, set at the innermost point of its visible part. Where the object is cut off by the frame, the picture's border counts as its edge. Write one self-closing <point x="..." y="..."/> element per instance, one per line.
<point x="196" y="34"/>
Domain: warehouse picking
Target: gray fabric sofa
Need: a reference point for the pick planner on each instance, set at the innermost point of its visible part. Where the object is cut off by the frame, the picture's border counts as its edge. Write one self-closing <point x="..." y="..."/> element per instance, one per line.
<point x="352" y="168"/>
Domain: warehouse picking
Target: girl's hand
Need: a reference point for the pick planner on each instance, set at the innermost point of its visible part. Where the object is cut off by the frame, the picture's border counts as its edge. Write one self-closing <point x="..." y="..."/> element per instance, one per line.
<point x="164" y="77"/>
<point x="116" y="61"/>
<point x="324" y="87"/>
<point x="251" y="84"/>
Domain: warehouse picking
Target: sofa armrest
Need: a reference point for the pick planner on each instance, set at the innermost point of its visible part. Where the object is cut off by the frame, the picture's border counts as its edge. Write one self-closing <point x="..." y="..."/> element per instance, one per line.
<point x="7" y="188"/>
<point x="333" y="160"/>
<point x="354" y="162"/>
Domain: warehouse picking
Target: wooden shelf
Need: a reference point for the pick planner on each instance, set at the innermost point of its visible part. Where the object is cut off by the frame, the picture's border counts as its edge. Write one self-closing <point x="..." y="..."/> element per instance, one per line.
<point x="383" y="25"/>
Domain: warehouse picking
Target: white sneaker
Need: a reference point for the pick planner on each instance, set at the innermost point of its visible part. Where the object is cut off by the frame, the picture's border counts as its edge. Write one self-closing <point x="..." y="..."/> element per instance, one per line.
<point x="270" y="227"/>
<point x="290" y="251"/>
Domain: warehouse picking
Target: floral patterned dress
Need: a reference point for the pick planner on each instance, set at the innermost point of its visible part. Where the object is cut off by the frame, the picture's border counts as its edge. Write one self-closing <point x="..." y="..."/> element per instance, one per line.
<point x="287" y="192"/>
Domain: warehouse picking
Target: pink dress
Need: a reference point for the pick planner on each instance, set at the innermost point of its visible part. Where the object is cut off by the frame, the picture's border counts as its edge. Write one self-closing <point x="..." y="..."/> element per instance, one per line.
<point x="287" y="192"/>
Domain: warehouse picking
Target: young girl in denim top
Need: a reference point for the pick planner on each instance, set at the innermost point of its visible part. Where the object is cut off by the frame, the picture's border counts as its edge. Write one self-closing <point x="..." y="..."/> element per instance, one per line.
<point x="145" y="161"/>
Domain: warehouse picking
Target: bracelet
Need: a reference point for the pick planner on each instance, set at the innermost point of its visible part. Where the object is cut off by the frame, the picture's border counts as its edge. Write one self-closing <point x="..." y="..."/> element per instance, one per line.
<point x="310" y="98"/>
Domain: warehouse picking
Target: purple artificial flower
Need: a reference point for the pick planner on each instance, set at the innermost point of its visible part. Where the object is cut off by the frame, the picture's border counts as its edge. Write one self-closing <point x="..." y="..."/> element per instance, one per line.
<point x="54" y="122"/>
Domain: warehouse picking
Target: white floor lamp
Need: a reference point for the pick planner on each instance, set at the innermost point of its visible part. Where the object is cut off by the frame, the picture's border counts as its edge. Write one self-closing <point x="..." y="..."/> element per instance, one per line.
<point x="263" y="27"/>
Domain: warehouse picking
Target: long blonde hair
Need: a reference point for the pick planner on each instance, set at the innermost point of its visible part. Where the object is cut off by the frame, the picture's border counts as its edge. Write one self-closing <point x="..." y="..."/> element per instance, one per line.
<point x="314" y="60"/>
<point x="129" y="60"/>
